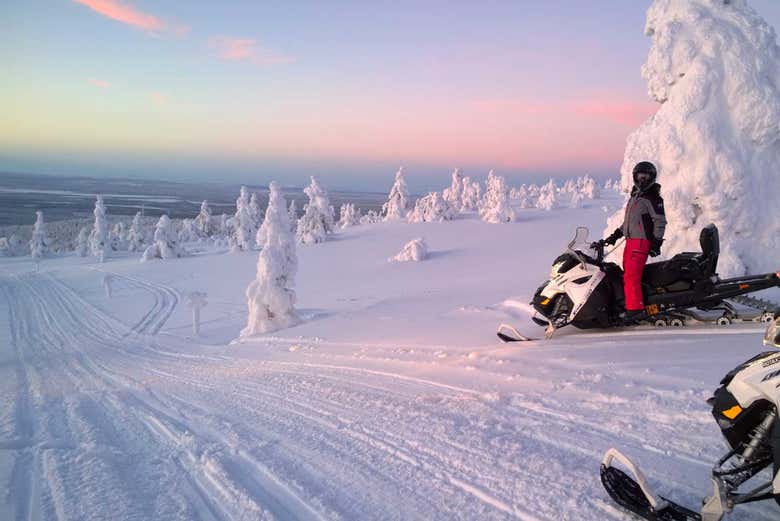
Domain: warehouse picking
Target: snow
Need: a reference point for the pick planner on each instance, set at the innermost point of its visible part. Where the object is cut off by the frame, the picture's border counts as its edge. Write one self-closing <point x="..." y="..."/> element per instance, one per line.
<point x="714" y="68"/>
<point x="391" y="399"/>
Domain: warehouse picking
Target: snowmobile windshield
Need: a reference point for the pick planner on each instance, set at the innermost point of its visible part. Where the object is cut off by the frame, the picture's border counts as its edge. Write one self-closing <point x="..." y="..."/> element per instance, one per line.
<point x="579" y="245"/>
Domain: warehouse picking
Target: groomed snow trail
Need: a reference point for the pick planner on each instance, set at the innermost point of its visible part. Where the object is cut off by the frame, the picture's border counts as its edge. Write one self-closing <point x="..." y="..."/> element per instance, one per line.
<point x="108" y="421"/>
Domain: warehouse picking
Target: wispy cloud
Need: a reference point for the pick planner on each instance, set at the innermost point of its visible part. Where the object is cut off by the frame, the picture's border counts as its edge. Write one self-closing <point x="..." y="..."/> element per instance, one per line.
<point x="630" y="113"/>
<point x="245" y="49"/>
<point x="128" y="14"/>
<point x="103" y="84"/>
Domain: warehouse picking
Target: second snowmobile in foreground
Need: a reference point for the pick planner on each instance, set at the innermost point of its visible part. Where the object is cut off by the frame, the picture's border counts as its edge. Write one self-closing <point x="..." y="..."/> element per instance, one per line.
<point x="586" y="291"/>
<point x="745" y="406"/>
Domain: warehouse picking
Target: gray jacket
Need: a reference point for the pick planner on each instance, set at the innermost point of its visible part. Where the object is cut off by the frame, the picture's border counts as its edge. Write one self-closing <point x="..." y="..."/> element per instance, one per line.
<point x="645" y="217"/>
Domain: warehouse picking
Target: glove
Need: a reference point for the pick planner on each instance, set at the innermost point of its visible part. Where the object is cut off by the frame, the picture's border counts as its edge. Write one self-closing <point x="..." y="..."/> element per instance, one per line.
<point x="612" y="239"/>
<point x="597" y="245"/>
<point x="655" y="248"/>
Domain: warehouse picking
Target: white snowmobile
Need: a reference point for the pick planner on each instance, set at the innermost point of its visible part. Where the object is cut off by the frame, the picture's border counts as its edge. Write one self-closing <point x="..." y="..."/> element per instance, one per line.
<point x="745" y="406"/>
<point x="587" y="292"/>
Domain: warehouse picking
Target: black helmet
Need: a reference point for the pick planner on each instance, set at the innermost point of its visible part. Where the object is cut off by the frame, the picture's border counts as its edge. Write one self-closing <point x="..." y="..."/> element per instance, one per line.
<point x="644" y="174"/>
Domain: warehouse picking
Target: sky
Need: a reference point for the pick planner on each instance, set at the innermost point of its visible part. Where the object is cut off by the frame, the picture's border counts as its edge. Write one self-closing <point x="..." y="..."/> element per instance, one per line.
<point x="247" y="91"/>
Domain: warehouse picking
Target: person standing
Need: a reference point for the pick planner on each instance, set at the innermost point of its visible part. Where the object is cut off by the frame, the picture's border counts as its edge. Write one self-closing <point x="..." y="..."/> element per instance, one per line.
<point x="643" y="227"/>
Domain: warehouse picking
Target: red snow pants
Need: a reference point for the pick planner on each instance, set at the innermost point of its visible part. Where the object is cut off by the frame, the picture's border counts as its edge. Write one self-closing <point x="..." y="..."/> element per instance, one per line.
<point x="634" y="259"/>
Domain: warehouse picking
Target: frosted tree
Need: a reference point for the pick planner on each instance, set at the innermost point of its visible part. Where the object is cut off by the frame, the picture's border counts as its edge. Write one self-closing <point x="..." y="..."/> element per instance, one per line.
<point x="432" y="208"/>
<point x="165" y="244"/>
<point x="254" y="210"/>
<point x="495" y="206"/>
<point x="292" y="213"/>
<point x="714" y="69"/>
<point x="454" y="194"/>
<point x="590" y="188"/>
<point x="398" y="199"/>
<point x="136" y="240"/>
<point x="548" y="196"/>
<point x="348" y="215"/>
<point x="270" y="298"/>
<point x="243" y="223"/>
<point x="576" y="200"/>
<point x="118" y="237"/>
<point x="317" y="219"/>
<point x="472" y="194"/>
<point x="188" y="231"/>
<point x="82" y="242"/>
<point x="39" y="242"/>
<point x="370" y="217"/>
<point x="415" y="250"/>
<point x="203" y="220"/>
<point x="98" y="239"/>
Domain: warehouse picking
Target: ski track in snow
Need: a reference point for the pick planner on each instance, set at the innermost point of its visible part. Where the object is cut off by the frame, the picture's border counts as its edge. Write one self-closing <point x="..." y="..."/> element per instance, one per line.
<point x="108" y="423"/>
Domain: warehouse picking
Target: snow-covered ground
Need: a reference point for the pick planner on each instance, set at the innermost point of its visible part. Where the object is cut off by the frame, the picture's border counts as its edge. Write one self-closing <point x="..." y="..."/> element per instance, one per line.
<point x="392" y="400"/>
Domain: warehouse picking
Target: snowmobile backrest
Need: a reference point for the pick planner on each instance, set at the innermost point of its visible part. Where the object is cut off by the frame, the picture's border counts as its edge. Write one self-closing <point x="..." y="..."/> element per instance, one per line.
<point x="710" y="247"/>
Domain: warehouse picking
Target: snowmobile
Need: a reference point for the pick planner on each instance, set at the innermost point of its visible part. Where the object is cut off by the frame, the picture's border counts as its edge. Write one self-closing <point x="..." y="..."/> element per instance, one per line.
<point x="586" y="291"/>
<point x="745" y="407"/>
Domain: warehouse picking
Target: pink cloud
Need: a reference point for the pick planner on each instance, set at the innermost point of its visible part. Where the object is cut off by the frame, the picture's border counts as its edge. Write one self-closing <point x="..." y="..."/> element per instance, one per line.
<point x="159" y="98"/>
<point x="127" y="14"/>
<point x="630" y="113"/>
<point x="245" y="49"/>
<point x="103" y="84"/>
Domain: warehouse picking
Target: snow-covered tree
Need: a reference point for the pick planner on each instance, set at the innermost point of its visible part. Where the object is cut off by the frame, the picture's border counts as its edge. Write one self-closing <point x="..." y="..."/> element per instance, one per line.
<point x="398" y="199"/>
<point x="270" y="297"/>
<point x="576" y="200"/>
<point x="454" y="194"/>
<point x="348" y="215"/>
<point x="431" y="208"/>
<point x="136" y="239"/>
<point x="714" y="69"/>
<point x="189" y="231"/>
<point x="415" y="250"/>
<point x="166" y="243"/>
<point x="590" y="188"/>
<point x="243" y="223"/>
<point x="317" y="219"/>
<point x="39" y="242"/>
<point x="82" y="242"/>
<point x="548" y="196"/>
<point x="98" y="239"/>
<point x="292" y="213"/>
<point x="203" y="220"/>
<point x="495" y="206"/>
<point x="255" y="211"/>
<point x="370" y="217"/>
<point x="472" y="194"/>
<point x="118" y="237"/>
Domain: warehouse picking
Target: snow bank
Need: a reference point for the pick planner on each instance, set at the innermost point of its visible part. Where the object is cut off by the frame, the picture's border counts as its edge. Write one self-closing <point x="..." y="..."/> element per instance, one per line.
<point x="714" y="67"/>
<point x="414" y="250"/>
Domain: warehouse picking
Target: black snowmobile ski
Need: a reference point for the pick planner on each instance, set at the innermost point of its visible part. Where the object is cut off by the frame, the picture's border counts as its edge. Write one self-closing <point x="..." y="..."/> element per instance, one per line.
<point x="628" y="494"/>
<point x="508" y="334"/>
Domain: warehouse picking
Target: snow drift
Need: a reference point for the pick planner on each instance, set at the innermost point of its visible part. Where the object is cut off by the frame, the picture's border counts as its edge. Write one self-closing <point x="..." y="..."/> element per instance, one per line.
<point x="714" y="67"/>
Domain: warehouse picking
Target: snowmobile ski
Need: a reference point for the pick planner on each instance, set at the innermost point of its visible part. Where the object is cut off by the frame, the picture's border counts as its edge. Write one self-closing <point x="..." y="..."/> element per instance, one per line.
<point x="636" y="496"/>
<point x="508" y="334"/>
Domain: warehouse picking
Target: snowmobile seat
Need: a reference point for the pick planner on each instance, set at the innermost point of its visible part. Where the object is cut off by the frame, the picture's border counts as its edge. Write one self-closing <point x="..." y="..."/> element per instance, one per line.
<point x="679" y="272"/>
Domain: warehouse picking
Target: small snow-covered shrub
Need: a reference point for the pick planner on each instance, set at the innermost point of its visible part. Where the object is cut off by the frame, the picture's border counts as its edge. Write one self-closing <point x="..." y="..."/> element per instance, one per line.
<point x="472" y="194"/>
<point x="398" y="199"/>
<point x="136" y="240"/>
<point x="203" y="220"/>
<point x="243" y="223"/>
<point x="495" y="206"/>
<point x="370" y="217"/>
<point x="431" y="208"/>
<point x="166" y="244"/>
<point x="576" y="200"/>
<point x="270" y="297"/>
<point x="548" y="196"/>
<point x="292" y="213"/>
<point x="415" y="250"/>
<point x="82" y="242"/>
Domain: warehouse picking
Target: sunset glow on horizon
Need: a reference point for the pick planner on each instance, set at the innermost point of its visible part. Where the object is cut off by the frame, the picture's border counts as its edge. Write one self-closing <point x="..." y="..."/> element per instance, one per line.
<point x="517" y="86"/>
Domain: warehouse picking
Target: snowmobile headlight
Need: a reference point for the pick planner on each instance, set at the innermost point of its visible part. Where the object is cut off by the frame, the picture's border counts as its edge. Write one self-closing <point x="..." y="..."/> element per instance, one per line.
<point x="772" y="334"/>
